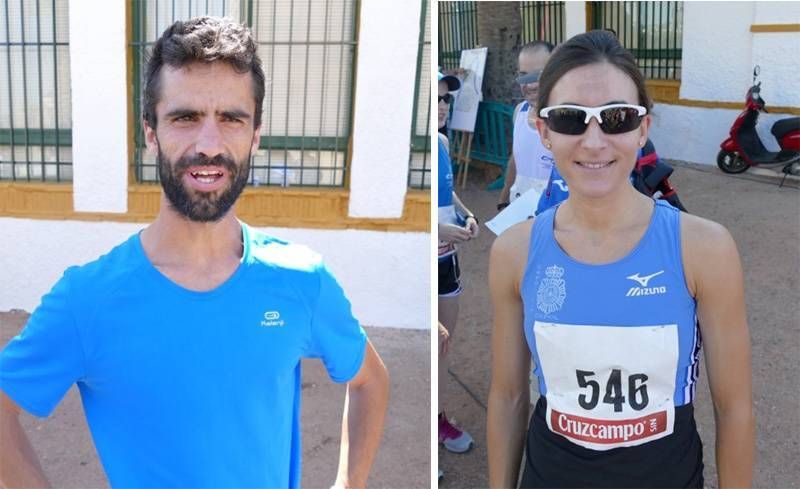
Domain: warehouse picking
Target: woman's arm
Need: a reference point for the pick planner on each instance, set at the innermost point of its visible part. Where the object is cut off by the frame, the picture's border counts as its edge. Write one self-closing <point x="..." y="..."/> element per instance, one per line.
<point x="471" y="222"/>
<point x="714" y="274"/>
<point x="509" y="391"/>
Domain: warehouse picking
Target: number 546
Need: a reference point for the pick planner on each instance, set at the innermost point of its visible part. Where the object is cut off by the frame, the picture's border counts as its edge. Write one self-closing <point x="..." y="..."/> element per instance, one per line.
<point x="637" y="390"/>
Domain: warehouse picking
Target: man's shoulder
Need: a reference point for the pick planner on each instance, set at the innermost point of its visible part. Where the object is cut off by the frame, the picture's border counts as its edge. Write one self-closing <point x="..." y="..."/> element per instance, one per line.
<point x="279" y="254"/>
<point x="106" y="270"/>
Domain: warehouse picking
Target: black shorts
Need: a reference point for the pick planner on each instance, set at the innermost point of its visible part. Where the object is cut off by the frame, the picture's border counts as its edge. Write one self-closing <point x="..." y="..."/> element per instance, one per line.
<point x="449" y="276"/>
<point x="673" y="461"/>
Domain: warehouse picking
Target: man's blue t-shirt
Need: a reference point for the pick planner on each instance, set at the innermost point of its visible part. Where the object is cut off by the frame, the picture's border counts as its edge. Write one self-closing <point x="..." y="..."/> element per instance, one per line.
<point x="184" y="388"/>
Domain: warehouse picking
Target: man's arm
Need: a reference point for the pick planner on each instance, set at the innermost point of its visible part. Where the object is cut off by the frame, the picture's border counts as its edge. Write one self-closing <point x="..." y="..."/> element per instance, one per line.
<point x="510" y="176"/>
<point x="362" y="424"/>
<point x="511" y="166"/>
<point x="714" y="273"/>
<point x="19" y="465"/>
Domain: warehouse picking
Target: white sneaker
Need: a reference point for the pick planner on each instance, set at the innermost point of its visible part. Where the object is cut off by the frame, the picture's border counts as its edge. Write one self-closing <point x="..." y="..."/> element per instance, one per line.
<point x="453" y="438"/>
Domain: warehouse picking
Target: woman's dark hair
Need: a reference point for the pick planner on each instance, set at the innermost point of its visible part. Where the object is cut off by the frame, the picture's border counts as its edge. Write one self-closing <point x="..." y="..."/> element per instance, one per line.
<point x="203" y="39"/>
<point x="585" y="49"/>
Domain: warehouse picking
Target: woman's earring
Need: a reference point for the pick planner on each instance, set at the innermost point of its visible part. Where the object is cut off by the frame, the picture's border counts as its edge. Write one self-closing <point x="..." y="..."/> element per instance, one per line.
<point x="548" y="145"/>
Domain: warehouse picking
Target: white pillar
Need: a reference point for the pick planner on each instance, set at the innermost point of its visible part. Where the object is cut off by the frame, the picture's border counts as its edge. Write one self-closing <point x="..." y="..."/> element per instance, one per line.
<point x="99" y="105"/>
<point x="384" y="101"/>
<point x="575" y="13"/>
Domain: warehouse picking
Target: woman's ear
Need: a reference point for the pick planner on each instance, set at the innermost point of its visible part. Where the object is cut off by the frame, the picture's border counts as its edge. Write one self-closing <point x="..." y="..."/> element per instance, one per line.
<point x="544" y="132"/>
<point x="644" y="129"/>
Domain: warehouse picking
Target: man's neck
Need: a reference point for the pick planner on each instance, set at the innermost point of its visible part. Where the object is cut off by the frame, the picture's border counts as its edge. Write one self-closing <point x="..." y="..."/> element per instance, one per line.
<point x="174" y="240"/>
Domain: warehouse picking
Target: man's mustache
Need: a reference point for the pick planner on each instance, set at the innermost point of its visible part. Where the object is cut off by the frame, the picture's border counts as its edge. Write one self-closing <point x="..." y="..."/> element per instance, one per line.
<point x="202" y="160"/>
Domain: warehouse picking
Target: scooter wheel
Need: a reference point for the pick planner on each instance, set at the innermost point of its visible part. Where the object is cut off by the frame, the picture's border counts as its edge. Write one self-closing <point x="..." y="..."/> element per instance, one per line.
<point x="730" y="162"/>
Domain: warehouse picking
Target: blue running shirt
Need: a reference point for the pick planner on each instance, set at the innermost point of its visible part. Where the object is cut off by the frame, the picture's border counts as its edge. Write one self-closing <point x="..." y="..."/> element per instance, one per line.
<point x="184" y="388"/>
<point x="615" y="346"/>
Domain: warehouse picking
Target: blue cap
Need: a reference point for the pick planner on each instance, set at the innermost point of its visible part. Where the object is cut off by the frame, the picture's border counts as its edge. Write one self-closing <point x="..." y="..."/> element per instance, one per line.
<point x="453" y="83"/>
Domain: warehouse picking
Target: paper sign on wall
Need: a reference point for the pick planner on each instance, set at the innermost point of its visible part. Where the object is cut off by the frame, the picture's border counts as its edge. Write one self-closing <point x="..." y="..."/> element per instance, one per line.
<point x="465" y="109"/>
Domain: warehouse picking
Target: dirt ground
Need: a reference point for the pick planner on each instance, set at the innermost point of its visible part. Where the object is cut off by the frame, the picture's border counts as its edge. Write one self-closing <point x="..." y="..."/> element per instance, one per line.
<point x="765" y="222"/>
<point x="65" y="446"/>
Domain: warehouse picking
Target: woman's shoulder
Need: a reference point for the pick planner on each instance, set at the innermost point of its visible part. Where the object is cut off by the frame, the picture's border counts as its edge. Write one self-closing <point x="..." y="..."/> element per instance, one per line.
<point x="512" y="244"/>
<point x="698" y="232"/>
<point x="706" y="246"/>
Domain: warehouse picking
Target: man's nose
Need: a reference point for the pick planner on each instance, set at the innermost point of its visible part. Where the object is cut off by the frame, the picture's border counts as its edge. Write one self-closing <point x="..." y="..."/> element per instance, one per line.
<point x="209" y="139"/>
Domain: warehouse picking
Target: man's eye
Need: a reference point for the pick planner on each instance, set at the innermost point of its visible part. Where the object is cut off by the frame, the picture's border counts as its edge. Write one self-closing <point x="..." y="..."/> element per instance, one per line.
<point x="185" y="118"/>
<point x="229" y="118"/>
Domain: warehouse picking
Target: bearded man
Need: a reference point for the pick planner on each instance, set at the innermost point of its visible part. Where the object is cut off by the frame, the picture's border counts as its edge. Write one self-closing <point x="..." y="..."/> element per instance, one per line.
<point x="185" y="340"/>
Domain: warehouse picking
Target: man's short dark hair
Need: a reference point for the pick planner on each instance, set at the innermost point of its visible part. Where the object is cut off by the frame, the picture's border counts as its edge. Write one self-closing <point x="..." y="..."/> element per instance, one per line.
<point x="202" y="39"/>
<point x="535" y="46"/>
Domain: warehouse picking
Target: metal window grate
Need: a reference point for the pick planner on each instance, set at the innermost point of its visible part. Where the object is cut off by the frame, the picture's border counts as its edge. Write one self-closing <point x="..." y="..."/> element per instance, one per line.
<point x="458" y="30"/>
<point x="542" y="21"/>
<point x="35" y="111"/>
<point x="419" y="165"/>
<point x="458" y="27"/>
<point x="651" y="31"/>
<point x="307" y="48"/>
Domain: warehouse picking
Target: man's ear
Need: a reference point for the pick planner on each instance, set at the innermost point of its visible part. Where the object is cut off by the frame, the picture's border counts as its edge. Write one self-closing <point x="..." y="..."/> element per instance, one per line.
<point x="150" y="138"/>
<point x="256" y="139"/>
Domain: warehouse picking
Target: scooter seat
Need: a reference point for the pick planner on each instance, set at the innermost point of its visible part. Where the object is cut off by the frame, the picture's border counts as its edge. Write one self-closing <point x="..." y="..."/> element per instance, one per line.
<point x="784" y="126"/>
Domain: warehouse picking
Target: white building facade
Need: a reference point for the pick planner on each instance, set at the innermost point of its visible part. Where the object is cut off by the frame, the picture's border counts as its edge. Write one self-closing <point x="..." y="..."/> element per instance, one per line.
<point x="721" y="43"/>
<point x="371" y="225"/>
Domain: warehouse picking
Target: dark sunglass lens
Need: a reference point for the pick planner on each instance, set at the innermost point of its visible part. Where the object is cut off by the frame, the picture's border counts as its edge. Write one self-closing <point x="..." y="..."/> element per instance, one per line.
<point x="620" y="119"/>
<point x="447" y="98"/>
<point x="566" y="121"/>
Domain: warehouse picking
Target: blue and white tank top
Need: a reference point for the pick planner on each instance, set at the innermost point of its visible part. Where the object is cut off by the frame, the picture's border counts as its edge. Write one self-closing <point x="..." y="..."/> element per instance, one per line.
<point x="615" y="346"/>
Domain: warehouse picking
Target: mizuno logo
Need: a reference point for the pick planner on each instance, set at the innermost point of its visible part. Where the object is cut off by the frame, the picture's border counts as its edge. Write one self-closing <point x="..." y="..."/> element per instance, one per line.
<point x="644" y="289"/>
<point x="562" y="185"/>
<point x="643" y="281"/>
<point x="272" y="319"/>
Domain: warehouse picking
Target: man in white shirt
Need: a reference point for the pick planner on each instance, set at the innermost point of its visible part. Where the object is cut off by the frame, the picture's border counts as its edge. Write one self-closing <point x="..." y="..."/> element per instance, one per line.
<point x="530" y="162"/>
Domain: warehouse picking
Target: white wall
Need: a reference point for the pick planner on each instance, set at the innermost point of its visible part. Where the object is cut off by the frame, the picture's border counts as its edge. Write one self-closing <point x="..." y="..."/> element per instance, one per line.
<point x="716" y="50"/>
<point x="99" y="105"/>
<point x="385" y="275"/>
<point x="383" y="106"/>
<point x="575" y="18"/>
<point x="694" y="134"/>
<point x="719" y="53"/>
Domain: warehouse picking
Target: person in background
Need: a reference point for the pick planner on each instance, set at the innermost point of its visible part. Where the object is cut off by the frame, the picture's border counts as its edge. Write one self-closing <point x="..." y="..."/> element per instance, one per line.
<point x="530" y="162"/>
<point x="456" y="225"/>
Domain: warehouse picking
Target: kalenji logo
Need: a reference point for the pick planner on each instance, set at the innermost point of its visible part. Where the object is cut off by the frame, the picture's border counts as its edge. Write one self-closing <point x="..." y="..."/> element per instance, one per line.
<point x="272" y="319"/>
<point x="604" y="431"/>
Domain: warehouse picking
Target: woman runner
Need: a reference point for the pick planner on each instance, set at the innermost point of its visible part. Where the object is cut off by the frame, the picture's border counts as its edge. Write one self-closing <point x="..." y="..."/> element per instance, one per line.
<point x="604" y="293"/>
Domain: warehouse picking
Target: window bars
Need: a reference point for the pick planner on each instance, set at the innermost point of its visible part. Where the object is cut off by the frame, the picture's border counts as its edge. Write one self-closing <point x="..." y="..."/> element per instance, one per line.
<point x="651" y="31"/>
<point x="35" y="111"/>
<point x="419" y="165"/>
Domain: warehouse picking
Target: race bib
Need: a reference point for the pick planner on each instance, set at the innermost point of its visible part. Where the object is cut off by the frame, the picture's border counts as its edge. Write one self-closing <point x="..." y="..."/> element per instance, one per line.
<point x="608" y="386"/>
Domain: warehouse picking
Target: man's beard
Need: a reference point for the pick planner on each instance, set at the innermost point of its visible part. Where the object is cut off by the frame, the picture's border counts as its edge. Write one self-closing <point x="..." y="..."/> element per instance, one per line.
<point x="201" y="206"/>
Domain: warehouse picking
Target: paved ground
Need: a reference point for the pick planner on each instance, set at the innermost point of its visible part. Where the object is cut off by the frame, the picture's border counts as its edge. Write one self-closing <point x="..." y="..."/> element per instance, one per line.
<point x="765" y="221"/>
<point x="70" y="460"/>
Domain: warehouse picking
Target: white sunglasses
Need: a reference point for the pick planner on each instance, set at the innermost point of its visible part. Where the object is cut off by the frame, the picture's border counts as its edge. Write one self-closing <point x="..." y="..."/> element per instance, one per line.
<point x="574" y="119"/>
